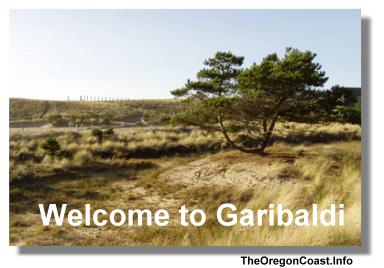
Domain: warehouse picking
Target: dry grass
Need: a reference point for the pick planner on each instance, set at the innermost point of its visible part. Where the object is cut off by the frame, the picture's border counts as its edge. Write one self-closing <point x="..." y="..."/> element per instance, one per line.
<point x="36" y="112"/>
<point x="331" y="177"/>
<point x="127" y="171"/>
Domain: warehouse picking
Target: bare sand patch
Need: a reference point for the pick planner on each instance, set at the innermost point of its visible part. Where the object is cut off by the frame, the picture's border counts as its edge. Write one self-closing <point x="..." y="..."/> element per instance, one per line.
<point x="230" y="168"/>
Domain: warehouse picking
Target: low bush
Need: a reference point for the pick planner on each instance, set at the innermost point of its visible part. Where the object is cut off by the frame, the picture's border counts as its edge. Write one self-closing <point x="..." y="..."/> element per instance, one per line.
<point x="98" y="134"/>
<point x="51" y="146"/>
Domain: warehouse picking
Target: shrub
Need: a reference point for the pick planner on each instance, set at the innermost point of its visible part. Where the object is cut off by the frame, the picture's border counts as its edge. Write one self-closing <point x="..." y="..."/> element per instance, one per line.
<point x="51" y="146"/>
<point x="98" y="134"/>
<point x="351" y="114"/>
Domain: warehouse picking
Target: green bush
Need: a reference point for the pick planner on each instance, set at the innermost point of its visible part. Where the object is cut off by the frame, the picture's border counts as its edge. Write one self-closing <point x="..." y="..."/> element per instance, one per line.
<point x="350" y="114"/>
<point x="98" y="134"/>
<point x="51" y="146"/>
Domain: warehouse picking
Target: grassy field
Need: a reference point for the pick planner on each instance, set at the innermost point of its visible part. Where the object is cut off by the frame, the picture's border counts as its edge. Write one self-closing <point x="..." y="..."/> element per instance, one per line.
<point x="166" y="167"/>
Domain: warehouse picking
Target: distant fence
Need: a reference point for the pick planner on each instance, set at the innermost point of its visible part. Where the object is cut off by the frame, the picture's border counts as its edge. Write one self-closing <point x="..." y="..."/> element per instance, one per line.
<point x="101" y="99"/>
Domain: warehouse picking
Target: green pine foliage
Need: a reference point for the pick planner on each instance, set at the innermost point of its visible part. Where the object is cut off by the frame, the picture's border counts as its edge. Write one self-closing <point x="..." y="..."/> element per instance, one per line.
<point x="250" y="101"/>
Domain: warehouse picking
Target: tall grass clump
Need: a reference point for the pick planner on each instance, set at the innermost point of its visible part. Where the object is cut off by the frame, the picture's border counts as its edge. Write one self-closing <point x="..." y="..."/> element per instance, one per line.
<point x="326" y="179"/>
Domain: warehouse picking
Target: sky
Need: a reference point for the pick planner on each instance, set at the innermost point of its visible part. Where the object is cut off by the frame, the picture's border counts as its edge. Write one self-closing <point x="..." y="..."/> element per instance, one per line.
<point x="144" y="54"/>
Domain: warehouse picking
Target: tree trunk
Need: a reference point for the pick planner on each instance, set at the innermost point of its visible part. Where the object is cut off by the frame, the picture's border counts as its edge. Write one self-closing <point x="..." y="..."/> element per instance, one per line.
<point x="268" y="134"/>
<point x="231" y="142"/>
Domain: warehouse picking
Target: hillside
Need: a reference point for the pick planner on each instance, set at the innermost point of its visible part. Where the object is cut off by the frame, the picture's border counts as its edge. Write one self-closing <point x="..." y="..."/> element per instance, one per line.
<point x="131" y="111"/>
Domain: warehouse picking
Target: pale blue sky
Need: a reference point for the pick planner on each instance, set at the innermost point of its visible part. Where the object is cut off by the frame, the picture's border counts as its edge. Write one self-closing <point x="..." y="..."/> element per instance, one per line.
<point x="143" y="54"/>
